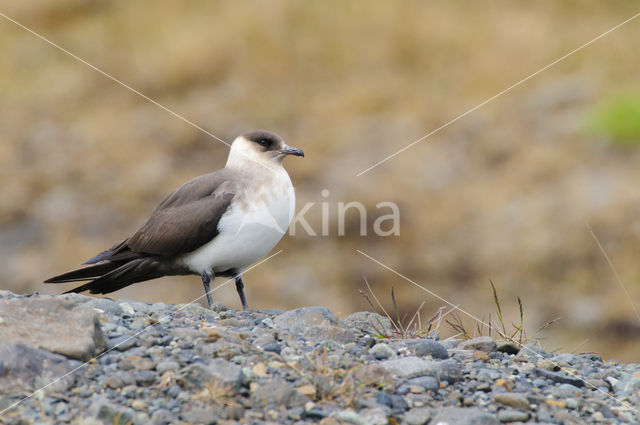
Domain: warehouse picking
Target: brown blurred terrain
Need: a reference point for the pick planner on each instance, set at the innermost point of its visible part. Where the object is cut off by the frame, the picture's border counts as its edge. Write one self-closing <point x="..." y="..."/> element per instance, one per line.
<point x="502" y="194"/>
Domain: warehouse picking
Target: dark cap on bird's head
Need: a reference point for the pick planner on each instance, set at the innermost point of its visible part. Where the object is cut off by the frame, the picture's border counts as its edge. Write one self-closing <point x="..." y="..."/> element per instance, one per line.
<point x="268" y="141"/>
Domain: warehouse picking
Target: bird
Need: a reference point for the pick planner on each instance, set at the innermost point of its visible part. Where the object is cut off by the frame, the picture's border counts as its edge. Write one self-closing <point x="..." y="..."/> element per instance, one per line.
<point x="216" y="224"/>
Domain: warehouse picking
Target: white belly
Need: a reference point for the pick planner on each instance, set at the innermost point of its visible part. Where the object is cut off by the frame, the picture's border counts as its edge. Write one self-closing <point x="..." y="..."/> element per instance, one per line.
<point x="248" y="231"/>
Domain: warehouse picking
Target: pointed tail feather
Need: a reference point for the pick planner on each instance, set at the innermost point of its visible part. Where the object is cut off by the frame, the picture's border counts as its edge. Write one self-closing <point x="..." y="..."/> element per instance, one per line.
<point x="134" y="271"/>
<point x="85" y="273"/>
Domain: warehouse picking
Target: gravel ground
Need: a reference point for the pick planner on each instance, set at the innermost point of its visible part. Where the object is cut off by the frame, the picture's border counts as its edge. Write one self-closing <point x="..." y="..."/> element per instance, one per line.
<point x="166" y="364"/>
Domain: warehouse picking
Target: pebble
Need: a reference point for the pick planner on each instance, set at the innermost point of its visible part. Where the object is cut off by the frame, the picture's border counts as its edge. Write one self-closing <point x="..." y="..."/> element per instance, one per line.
<point x="513" y="415"/>
<point x="407" y="367"/>
<point x="559" y="377"/>
<point x="428" y="347"/>
<point x="382" y="351"/>
<point x="418" y="416"/>
<point x="481" y="343"/>
<point x="369" y="323"/>
<point x="517" y="401"/>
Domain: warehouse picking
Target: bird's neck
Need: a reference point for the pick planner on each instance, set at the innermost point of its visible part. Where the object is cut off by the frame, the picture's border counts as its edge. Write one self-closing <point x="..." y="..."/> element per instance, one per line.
<point x="246" y="161"/>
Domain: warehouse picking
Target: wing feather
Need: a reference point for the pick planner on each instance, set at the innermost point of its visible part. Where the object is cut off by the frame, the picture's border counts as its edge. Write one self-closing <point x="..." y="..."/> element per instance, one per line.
<point x="185" y="220"/>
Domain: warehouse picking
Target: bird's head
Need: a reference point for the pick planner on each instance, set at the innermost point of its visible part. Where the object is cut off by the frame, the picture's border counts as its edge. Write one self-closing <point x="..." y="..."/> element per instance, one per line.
<point x="260" y="146"/>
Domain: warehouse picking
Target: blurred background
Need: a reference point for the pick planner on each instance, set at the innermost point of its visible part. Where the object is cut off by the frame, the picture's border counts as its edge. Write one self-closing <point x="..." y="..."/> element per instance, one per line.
<point x="503" y="194"/>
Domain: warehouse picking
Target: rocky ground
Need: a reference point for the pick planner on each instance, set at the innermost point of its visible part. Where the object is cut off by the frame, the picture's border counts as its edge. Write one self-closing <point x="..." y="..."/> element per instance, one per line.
<point x="165" y="364"/>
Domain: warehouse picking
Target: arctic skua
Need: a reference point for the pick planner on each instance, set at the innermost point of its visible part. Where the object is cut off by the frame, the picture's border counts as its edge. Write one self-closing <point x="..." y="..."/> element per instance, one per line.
<point x="214" y="225"/>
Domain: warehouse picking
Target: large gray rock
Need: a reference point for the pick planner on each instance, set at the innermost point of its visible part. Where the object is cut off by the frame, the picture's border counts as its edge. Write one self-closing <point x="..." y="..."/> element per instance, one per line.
<point x="463" y="416"/>
<point x="104" y="304"/>
<point x="300" y="319"/>
<point x="25" y="369"/>
<point x="369" y="323"/>
<point x="52" y="324"/>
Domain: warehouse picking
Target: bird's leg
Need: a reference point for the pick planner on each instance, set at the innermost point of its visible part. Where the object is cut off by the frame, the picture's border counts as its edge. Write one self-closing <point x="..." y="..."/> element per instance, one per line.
<point x="240" y="289"/>
<point x="206" y="279"/>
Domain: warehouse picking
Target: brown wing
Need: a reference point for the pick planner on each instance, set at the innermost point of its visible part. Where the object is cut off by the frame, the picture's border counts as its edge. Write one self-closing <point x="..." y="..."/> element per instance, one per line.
<point x="181" y="229"/>
<point x="184" y="221"/>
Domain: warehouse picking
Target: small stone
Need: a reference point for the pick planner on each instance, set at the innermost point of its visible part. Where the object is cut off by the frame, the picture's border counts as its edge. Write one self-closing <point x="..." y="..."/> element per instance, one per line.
<point x="372" y="375"/>
<point x="572" y="403"/>
<point x="122" y="343"/>
<point x="145" y="377"/>
<point x="113" y="382"/>
<point x="506" y="384"/>
<point x="556" y="403"/>
<point x="230" y="323"/>
<point x="129" y="391"/>
<point x="427" y="383"/>
<point x="273" y="347"/>
<point x="481" y="355"/>
<point x="325" y="332"/>
<point x="235" y="412"/>
<point x="464" y="416"/>
<point x="418" y="416"/>
<point x="259" y="370"/>
<point x="141" y="363"/>
<point x="278" y="392"/>
<point x="300" y="319"/>
<point x="566" y="390"/>
<point x="529" y="352"/>
<point x="481" y="343"/>
<point x="429" y="347"/>
<point x="167" y="365"/>
<point x="139" y="404"/>
<point x="349" y="416"/>
<point x="127" y="310"/>
<point x="539" y="383"/>
<point x="213" y="333"/>
<point x="369" y="323"/>
<point x="447" y="370"/>
<point x="415" y="389"/>
<point x="515" y="400"/>
<point x="112" y="415"/>
<point x="512" y="415"/>
<point x="307" y="390"/>
<point x="375" y="416"/>
<point x="197" y="375"/>
<point x="382" y="351"/>
<point x="547" y="364"/>
<point x="450" y="343"/>
<point x="559" y="377"/>
<point x="199" y="414"/>
<point x="408" y="367"/>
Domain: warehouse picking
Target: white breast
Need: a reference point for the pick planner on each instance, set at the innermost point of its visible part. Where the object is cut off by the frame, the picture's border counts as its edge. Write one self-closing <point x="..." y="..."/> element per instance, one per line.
<point x="255" y="222"/>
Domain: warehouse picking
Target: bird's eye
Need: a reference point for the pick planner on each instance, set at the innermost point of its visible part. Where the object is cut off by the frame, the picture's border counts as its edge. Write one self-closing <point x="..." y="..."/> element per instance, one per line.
<point x="264" y="142"/>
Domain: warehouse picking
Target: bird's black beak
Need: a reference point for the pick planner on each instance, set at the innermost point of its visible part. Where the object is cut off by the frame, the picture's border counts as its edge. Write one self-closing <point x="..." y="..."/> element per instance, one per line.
<point x="290" y="150"/>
